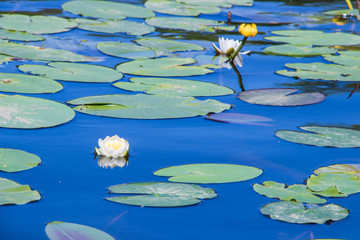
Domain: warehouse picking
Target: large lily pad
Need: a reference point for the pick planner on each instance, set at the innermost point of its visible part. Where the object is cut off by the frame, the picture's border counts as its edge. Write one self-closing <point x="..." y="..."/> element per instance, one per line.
<point x="295" y="212"/>
<point x="323" y="136"/>
<point x="157" y="194"/>
<point x="209" y="173"/>
<point x="14" y="193"/>
<point x="298" y="50"/>
<point x="280" y="97"/>
<point x="75" y="72"/>
<point x="42" y="54"/>
<point x="348" y="58"/>
<point x="13" y="160"/>
<point x="112" y="26"/>
<point x="334" y="184"/>
<point x="36" y="24"/>
<point x="163" y="67"/>
<point x="240" y="118"/>
<point x="19" y="36"/>
<point x="71" y="231"/>
<point x="318" y="38"/>
<point x="174" y="87"/>
<point x="178" y="8"/>
<point x="340" y="168"/>
<point x="30" y="112"/>
<point x="107" y="9"/>
<point x="21" y="83"/>
<point x="187" y="24"/>
<point x="142" y="106"/>
<point x="296" y="192"/>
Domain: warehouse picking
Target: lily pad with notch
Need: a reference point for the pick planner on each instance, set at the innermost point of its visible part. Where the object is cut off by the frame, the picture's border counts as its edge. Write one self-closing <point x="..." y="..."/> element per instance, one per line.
<point x="163" y="67"/>
<point x="158" y="194"/>
<point x="29" y="112"/>
<point x="296" y="212"/>
<point x="348" y="58"/>
<point x="174" y="87"/>
<point x="239" y="118"/>
<point x="14" y="160"/>
<point x="209" y="173"/>
<point x="284" y="97"/>
<point x="22" y="83"/>
<point x="322" y="136"/>
<point x="142" y="106"/>
<point x="74" y="72"/>
<point x="66" y="231"/>
<point x="297" y="192"/>
<point x="19" y="36"/>
<point x="340" y="168"/>
<point x="298" y="50"/>
<point x="107" y="9"/>
<point x="14" y="193"/>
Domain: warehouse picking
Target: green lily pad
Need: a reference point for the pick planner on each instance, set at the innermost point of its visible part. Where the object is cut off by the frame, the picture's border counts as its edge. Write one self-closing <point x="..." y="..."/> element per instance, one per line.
<point x="29" y="112"/>
<point x="298" y="50"/>
<point x="323" y="136"/>
<point x="13" y="160"/>
<point x="42" y="54"/>
<point x="157" y="194"/>
<point x="75" y="72"/>
<point x="348" y="58"/>
<point x="36" y="24"/>
<point x="210" y="3"/>
<point x="14" y="193"/>
<point x="297" y="192"/>
<point x="175" y="87"/>
<point x="280" y="97"/>
<point x="113" y="26"/>
<point x="163" y="67"/>
<point x="334" y="184"/>
<point x="312" y="37"/>
<point x="209" y="173"/>
<point x="142" y="106"/>
<point x="71" y="231"/>
<point x="340" y="168"/>
<point x="5" y="58"/>
<point x="180" y="9"/>
<point x="19" y="36"/>
<point x="187" y="24"/>
<point x="21" y="83"/>
<point x="322" y="71"/>
<point x="349" y="12"/>
<point x="295" y="212"/>
<point x="107" y="10"/>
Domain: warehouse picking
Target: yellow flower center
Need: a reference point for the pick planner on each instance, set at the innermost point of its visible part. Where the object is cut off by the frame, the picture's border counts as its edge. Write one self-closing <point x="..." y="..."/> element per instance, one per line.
<point x="115" y="145"/>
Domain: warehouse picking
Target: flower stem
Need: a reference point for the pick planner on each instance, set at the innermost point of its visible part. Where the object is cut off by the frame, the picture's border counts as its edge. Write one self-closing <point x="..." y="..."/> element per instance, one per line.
<point x="232" y="56"/>
<point x="238" y="75"/>
<point x="349" y="4"/>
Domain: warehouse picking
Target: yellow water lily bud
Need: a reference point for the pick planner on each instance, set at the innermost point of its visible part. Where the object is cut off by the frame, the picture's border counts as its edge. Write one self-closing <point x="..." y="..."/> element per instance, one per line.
<point x="248" y="30"/>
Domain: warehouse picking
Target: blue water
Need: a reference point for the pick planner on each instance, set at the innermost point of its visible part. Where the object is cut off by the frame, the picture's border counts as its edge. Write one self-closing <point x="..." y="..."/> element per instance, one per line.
<point x="73" y="187"/>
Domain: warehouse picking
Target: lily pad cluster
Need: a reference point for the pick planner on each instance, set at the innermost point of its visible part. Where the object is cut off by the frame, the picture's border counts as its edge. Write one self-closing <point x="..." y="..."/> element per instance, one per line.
<point x="339" y="180"/>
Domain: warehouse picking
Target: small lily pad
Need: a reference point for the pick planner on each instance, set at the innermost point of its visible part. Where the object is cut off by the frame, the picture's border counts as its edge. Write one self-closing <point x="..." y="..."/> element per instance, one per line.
<point x="284" y="97"/>
<point x="322" y="136"/>
<point x="298" y="50"/>
<point x="322" y="71"/>
<point x="14" y="193"/>
<point x="29" y="112"/>
<point x="174" y="87"/>
<point x="348" y="58"/>
<point x="180" y="9"/>
<point x="13" y="160"/>
<point x="318" y="38"/>
<point x="239" y="118"/>
<point x="19" y="36"/>
<point x="75" y="72"/>
<point x="187" y="24"/>
<point x="340" y="168"/>
<point x="334" y="184"/>
<point x="295" y="212"/>
<point x="163" y="67"/>
<point x="157" y="194"/>
<point x="209" y="173"/>
<point x="70" y="231"/>
<point x="297" y="192"/>
<point x="42" y="54"/>
<point x="142" y="106"/>
<point x="107" y="9"/>
<point x="36" y="24"/>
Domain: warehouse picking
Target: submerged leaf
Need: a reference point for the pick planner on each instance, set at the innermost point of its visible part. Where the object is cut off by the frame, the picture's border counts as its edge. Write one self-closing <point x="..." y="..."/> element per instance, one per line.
<point x="14" y="193"/>
<point x="13" y="160"/>
<point x="239" y="118"/>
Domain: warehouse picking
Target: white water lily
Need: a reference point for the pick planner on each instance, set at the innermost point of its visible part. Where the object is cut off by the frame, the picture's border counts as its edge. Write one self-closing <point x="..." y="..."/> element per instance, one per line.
<point x="228" y="47"/>
<point x="114" y="147"/>
<point x="106" y="162"/>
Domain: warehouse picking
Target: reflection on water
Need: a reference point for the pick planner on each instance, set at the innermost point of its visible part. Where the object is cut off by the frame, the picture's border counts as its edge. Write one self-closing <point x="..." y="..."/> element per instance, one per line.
<point x="106" y="162"/>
